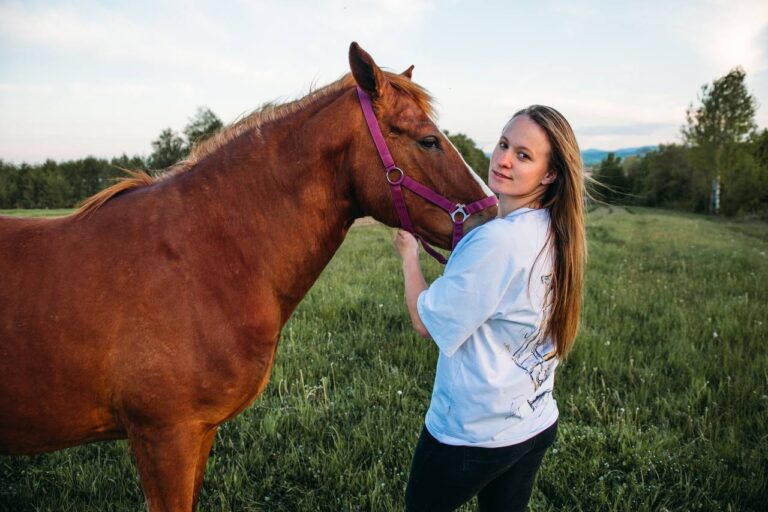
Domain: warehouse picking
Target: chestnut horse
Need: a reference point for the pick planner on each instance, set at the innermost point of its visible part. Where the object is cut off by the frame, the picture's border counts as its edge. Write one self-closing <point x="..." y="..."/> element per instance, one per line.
<point x="153" y="312"/>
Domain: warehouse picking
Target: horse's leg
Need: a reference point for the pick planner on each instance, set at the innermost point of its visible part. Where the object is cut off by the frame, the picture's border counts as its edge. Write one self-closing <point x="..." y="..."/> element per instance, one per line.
<point x="205" y="451"/>
<point x="167" y="459"/>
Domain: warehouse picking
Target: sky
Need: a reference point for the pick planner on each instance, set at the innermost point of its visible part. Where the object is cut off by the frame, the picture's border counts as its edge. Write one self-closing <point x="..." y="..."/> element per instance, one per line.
<point x="105" y="77"/>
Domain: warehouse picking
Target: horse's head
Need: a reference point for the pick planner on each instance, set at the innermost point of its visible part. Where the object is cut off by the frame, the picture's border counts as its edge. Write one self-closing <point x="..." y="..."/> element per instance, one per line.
<point x="418" y="147"/>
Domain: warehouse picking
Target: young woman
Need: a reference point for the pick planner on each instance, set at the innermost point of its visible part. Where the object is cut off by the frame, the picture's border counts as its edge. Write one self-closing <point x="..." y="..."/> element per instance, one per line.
<point x="503" y="314"/>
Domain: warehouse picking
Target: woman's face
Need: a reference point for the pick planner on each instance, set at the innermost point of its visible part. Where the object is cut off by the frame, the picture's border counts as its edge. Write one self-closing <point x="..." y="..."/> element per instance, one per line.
<point x="520" y="162"/>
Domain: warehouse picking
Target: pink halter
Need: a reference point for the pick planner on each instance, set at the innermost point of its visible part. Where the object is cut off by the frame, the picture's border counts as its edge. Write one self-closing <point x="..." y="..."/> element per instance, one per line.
<point x="397" y="179"/>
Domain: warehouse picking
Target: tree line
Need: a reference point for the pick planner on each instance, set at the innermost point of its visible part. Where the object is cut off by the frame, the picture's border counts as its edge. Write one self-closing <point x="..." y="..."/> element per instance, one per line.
<point x="721" y="165"/>
<point x="64" y="184"/>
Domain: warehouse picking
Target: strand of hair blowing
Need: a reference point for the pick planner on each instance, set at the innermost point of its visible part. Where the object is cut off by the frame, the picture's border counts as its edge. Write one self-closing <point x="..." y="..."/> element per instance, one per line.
<point x="565" y="200"/>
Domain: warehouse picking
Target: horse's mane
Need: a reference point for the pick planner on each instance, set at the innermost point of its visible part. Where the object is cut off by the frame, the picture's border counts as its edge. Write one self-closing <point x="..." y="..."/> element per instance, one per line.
<point x="251" y="124"/>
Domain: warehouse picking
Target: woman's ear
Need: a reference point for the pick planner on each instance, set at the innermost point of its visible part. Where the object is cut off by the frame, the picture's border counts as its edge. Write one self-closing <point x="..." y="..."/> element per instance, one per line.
<point x="549" y="178"/>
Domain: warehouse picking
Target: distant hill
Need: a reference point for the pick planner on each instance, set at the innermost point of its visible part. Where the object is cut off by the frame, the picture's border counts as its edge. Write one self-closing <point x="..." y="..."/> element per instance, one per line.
<point x="595" y="156"/>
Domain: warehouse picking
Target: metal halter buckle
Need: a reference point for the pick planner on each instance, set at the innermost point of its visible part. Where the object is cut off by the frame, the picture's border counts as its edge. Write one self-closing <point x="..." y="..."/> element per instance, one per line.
<point x="398" y="180"/>
<point x="459" y="209"/>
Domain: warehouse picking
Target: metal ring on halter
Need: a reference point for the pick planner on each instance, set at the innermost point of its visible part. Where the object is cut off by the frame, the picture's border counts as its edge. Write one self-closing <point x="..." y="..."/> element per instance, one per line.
<point x="397" y="181"/>
<point x="460" y="209"/>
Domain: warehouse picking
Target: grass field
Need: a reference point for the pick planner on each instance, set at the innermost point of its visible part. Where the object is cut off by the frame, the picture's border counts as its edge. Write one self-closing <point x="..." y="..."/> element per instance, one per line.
<point x="663" y="402"/>
<point x="55" y="212"/>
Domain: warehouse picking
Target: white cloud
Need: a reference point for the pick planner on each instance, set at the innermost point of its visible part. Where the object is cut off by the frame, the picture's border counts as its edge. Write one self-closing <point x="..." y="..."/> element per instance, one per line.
<point x="110" y="36"/>
<point x="727" y="33"/>
<point x="86" y="89"/>
<point x="373" y="17"/>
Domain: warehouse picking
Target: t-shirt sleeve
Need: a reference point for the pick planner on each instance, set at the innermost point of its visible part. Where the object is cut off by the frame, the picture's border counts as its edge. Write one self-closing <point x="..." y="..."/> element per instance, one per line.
<point x="469" y="292"/>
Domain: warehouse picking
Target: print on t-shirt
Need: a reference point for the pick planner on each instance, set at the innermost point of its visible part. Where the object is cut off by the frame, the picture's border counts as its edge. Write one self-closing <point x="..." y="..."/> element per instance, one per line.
<point x="536" y="356"/>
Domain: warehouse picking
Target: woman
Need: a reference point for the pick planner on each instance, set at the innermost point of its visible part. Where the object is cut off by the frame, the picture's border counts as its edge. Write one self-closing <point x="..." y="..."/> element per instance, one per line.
<point x="503" y="314"/>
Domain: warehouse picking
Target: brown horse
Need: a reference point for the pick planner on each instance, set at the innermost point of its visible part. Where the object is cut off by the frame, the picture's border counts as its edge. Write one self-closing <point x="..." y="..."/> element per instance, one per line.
<point x="153" y="312"/>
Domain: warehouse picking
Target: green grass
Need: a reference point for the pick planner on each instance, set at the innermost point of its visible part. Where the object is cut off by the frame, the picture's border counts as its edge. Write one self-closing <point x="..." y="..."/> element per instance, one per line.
<point x="55" y="212"/>
<point x="664" y="400"/>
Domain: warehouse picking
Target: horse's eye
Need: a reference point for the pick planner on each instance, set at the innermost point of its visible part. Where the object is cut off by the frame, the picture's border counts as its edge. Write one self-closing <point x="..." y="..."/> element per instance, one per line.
<point x="430" y="142"/>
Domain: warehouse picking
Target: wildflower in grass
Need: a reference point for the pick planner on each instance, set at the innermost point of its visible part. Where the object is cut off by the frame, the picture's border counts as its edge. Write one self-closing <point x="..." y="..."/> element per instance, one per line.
<point x="714" y="334"/>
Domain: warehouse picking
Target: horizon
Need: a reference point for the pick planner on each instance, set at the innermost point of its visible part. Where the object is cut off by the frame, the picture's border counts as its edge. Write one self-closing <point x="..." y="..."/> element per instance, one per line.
<point x="87" y="79"/>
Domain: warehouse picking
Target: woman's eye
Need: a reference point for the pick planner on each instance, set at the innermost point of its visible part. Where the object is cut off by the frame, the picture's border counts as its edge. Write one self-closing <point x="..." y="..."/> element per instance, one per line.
<point x="522" y="155"/>
<point x="429" y="142"/>
<point x="503" y="145"/>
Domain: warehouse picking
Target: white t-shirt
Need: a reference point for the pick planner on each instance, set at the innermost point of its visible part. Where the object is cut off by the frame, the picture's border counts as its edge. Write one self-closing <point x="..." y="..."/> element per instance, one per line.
<point x="495" y="373"/>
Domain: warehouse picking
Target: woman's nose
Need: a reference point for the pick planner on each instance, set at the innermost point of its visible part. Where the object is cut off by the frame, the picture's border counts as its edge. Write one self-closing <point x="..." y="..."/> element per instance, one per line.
<point x="505" y="160"/>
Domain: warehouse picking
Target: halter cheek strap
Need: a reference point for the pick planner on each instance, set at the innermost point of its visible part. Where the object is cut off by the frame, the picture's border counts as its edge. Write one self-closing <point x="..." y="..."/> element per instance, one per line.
<point x="397" y="179"/>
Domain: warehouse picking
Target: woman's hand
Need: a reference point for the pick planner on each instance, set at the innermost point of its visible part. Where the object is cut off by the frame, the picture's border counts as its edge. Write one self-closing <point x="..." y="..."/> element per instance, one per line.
<point x="408" y="247"/>
<point x="406" y="244"/>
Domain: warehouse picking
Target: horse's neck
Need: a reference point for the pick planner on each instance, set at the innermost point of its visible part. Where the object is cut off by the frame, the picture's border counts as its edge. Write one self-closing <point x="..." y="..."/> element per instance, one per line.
<point x="291" y="202"/>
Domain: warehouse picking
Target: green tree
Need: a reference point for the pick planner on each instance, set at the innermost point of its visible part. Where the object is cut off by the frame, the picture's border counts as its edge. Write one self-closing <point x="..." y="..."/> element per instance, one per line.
<point x="726" y="114"/>
<point x="55" y="190"/>
<point x="9" y="185"/>
<point x="473" y="155"/>
<point x="744" y="182"/>
<point x="85" y="176"/>
<point x="760" y="147"/>
<point x="724" y="117"/>
<point x="134" y="163"/>
<point x="612" y="185"/>
<point x="202" y="125"/>
<point x="663" y="177"/>
<point x="168" y="149"/>
<point x="744" y="175"/>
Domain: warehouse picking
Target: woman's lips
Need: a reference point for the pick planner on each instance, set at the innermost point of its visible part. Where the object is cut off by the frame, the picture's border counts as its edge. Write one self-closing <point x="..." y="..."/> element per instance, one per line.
<point x="499" y="175"/>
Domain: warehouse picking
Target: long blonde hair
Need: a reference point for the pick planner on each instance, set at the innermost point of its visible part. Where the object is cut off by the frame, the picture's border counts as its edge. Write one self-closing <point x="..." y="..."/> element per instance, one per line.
<point x="567" y="236"/>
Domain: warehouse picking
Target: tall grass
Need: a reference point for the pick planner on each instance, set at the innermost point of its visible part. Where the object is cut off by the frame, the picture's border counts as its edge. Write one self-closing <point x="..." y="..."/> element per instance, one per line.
<point x="664" y="400"/>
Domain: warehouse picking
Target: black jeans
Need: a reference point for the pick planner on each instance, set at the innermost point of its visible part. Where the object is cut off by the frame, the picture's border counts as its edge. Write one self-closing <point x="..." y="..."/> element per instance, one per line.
<point x="444" y="477"/>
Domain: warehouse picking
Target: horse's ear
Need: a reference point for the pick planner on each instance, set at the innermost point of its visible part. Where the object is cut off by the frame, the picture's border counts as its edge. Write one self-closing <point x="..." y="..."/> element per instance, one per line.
<point x="367" y="74"/>
<point x="408" y="73"/>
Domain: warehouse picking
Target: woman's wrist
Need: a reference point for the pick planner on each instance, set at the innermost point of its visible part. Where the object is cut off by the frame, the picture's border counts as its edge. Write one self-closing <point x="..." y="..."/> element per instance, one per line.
<point x="414" y="285"/>
<point x="410" y="259"/>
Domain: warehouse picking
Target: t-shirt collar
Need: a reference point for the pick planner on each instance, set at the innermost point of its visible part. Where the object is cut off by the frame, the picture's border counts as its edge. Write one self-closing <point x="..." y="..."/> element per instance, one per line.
<point x="519" y="211"/>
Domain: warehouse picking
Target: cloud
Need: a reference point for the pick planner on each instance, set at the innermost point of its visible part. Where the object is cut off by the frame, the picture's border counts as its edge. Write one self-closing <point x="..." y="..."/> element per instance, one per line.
<point x="577" y="12"/>
<point x="373" y="17"/>
<point x="623" y="108"/>
<point x="109" y="36"/>
<point x="123" y="90"/>
<point x="727" y="33"/>
<point x="626" y="129"/>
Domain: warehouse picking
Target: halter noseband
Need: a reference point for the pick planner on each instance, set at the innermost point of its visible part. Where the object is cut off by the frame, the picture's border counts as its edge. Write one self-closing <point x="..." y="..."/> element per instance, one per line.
<point x="397" y="179"/>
